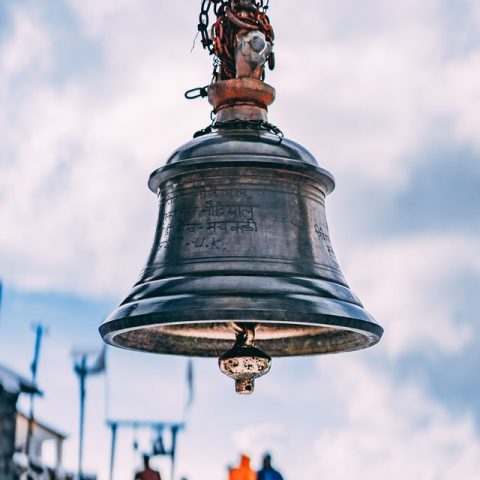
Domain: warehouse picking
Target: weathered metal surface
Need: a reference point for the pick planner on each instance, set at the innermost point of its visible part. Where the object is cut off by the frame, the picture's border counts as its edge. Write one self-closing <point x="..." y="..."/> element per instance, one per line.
<point x="240" y="99"/>
<point x="251" y="52"/>
<point x="241" y="38"/>
<point x="244" y="362"/>
<point x="242" y="236"/>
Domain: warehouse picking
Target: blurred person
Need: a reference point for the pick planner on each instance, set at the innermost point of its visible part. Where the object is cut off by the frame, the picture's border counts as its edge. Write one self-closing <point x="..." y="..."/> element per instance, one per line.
<point x="244" y="471"/>
<point x="51" y="475"/>
<point x="147" y="473"/>
<point x="268" y="472"/>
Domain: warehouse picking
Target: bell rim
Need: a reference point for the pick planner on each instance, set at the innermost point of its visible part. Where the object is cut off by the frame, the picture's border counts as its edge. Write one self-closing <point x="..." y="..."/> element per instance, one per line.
<point x="371" y="335"/>
<point x="365" y="329"/>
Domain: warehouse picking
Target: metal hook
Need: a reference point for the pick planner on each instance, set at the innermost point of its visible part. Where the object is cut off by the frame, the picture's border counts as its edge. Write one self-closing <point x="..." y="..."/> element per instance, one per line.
<point x="198" y="92"/>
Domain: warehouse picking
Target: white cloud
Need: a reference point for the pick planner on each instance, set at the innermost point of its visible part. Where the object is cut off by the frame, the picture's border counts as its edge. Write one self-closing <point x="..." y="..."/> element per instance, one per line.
<point x="405" y="284"/>
<point x="372" y="82"/>
<point x="95" y="16"/>
<point x="76" y="215"/>
<point x="390" y="431"/>
<point x="82" y="153"/>
<point x="76" y="155"/>
<point x="261" y="437"/>
<point x="26" y="48"/>
<point x="476" y="12"/>
<point x="463" y="97"/>
<point x="368" y="423"/>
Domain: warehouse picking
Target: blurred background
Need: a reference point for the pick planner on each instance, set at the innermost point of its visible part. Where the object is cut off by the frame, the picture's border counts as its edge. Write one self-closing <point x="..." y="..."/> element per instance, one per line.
<point x="385" y="94"/>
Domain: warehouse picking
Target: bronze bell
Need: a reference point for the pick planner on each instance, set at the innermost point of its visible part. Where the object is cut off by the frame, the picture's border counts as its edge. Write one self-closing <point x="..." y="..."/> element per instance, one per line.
<point x="242" y="255"/>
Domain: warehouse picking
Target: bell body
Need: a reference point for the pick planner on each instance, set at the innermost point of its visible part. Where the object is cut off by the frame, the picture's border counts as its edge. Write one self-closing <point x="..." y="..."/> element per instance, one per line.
<point x="242" y="238"/>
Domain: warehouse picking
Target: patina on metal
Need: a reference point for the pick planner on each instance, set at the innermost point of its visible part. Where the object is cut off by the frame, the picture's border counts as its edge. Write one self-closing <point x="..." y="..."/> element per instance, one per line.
<point x="242" y="254"/>
<point x="234" y="18"/>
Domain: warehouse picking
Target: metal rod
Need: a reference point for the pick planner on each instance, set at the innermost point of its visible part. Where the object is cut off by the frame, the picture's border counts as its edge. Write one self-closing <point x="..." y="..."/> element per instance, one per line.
<point x="39" y="331"/>
<point x="245" y="333"/>
<point x="1" y="295"/>
<point x="113" y="427"/>
<point x="82" y="373"/>
<point x="174" y="431"/>
<point x="145" y="424"/>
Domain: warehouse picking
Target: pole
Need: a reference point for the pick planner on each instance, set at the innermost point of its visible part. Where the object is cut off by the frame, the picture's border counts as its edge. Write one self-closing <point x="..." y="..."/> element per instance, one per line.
<point x="113" y="426"/>
<point x="173" y="450"/>
<point x="1" y="293"/>
<point x="39" y="331"/>
<point x="81" y="370"/>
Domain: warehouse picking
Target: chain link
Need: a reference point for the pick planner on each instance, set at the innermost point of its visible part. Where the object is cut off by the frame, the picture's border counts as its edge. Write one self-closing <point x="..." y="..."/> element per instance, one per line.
<point x="203" y="23"/>
<point x="241" y="124"/>
<point x="219" y="39"/>
<point x="219" y="7"/>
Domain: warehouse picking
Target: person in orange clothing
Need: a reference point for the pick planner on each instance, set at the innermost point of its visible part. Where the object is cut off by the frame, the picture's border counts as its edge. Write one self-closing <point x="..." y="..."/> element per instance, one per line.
<point x="244" y="471"/>
<point x="147" y="473"/>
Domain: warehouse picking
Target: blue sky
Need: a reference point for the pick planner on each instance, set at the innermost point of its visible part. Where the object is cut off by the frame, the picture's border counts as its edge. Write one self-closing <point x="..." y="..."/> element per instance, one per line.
<point x="385" y="94"/>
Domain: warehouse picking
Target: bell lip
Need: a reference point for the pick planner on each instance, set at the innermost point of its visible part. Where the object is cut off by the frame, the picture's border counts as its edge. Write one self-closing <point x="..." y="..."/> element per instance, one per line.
<point x="371" y="334"/>
<point x="255" y="149"/>
<point x="369" y="330"/>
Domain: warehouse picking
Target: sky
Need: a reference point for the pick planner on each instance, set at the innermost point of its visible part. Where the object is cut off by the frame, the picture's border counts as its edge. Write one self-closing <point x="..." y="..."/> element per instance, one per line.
<point x="385" y="94"/>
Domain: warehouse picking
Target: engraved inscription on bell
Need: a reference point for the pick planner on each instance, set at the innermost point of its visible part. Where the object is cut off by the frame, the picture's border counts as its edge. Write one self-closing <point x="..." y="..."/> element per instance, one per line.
<point x="208" y="220"/>
<point x="267" y="223"/>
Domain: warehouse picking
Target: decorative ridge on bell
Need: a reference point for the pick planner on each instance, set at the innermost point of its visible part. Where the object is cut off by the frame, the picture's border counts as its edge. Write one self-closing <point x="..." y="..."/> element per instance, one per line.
<point x="242" y="267"/>
<point x="241" y="147"/>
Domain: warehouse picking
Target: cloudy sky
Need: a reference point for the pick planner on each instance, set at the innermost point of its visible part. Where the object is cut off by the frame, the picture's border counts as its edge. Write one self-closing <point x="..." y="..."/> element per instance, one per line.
<point x="386" y="95"/>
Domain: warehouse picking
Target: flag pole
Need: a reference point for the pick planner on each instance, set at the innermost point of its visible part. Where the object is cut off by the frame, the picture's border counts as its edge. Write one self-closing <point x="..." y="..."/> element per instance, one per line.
<point x="39" y="332"/>
<point x="82" y="369"/>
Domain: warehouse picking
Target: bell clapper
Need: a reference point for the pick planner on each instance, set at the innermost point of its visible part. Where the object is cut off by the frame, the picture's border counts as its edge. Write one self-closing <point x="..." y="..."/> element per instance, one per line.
<point x="244" y="362"/>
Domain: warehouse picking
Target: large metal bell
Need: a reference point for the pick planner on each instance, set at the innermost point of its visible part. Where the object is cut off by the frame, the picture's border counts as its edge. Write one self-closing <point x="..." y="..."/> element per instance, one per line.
<point x="242" y="266"/>
<point x="242" y="242"/>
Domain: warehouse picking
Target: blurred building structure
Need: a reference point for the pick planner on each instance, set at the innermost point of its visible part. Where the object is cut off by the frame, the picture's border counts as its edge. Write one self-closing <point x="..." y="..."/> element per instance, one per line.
<point x="12" y="386"/>
<point x="41" y="436"/>
<point x="14" y="427"/>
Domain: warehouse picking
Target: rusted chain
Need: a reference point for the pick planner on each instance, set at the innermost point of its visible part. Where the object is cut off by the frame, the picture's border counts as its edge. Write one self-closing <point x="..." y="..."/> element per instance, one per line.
<point x="232" y="16"/>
